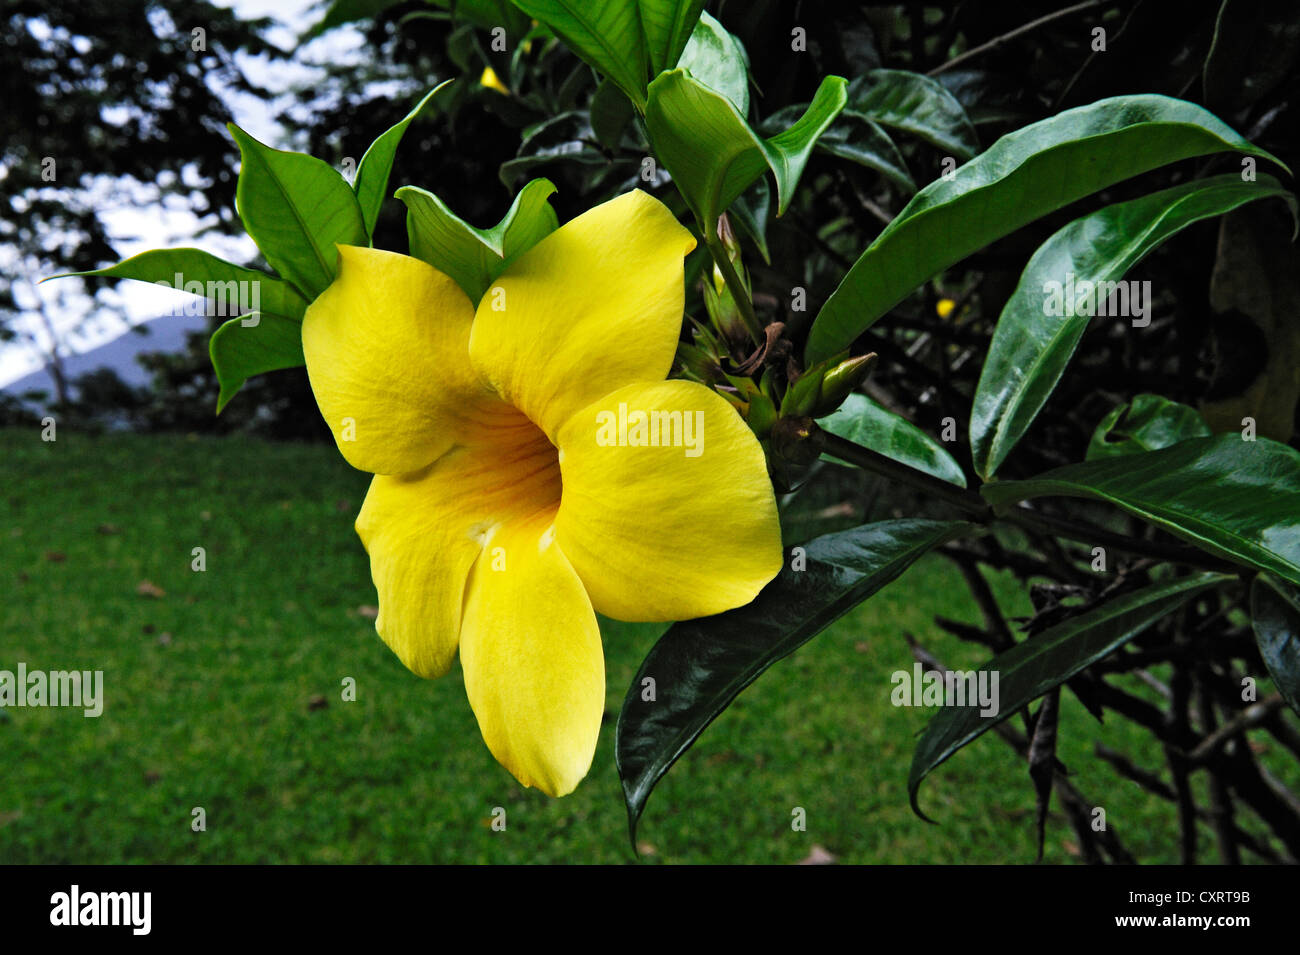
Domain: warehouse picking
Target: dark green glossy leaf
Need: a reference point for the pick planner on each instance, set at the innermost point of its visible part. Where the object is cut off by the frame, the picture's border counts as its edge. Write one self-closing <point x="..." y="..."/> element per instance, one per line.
<point x="564" y="137"/>
<point x="719" y="61"/>
<point x="610" y="111"/>
<point x="605" y="35"/>
<point x="372" y="172"/>
<point x="297" y="209"/>
<point x="1147" y="423"/>
<point x="1024" y="175"/>
<point x="176" y="267"/>
<point x="1234" y="498"/>
<point x="865" y="422"/>
<point x="915" y="104"/>
<point x="239" y="351"/>
<point x="668" y="26"/>
<point x="1045" y="661"/>
<point x="699" y="666"/>
<point x="751" y="211"/>
<point x="714" y="155"/>
<point x="854" y="136"/>
<point x="472" y="257"/>
<point x="1275" y="614"/>
<point x="1083" y="263"/>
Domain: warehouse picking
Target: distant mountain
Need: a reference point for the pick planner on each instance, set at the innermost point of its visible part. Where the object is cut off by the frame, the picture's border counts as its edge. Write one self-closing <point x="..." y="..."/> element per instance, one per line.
<point x="160" y="334"/>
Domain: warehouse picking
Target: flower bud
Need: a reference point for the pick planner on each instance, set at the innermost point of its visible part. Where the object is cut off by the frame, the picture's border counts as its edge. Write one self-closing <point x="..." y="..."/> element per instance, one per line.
<point x="840" y="382"/>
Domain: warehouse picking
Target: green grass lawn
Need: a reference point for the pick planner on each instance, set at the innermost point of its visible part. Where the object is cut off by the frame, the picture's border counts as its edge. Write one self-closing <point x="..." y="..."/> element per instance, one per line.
<point x="209" y="688"/>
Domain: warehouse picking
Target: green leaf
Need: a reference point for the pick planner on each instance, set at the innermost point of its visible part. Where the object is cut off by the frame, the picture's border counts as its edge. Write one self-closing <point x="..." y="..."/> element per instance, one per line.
<point x="865" y="422"/>
<point x="347" y="11"/>
<point x="1045" y="661"/>
<point x="1275" y="615"/>
<point x="855" y="137"/>
<point x="564" y="137"/>
<point x="751" y="211"/>
<point x="239" y="351"/>
<point x="699" y="666"/>
<point x="1081" y="264"/>
<point x="372" y="173"/>
<point x="719" y="61"/>
<point x="610" y="113"/>
<point x="915" y="104"/>
<point x="1147" y="423"/>
<point x="1023" y="176"/>
<point x="252" y="289"/>
<point x="472" y="257"/>
<point x="296" y="208"/>
<point x="605" y="35"/>
<point x="714" y="155"/>
<point x="667" y="26"/>
<point x="1234" y="498"/>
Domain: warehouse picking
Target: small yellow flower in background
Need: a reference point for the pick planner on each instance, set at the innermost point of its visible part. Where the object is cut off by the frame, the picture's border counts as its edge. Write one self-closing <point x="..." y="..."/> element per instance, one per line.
<point x="944" y="307"/>
<point x="533" y="466"/>
<point x="492" y="81"/>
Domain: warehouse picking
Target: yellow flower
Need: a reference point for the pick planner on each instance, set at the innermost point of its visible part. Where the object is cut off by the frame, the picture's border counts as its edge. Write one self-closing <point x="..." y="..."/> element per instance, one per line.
<point x="533" y="467"/>
<point x="492" y="81"/>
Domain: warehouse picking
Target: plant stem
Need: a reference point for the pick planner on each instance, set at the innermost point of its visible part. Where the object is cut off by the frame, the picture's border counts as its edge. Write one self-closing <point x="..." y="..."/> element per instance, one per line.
<point x="874" y="461"/>
<point x="734" y="284"/>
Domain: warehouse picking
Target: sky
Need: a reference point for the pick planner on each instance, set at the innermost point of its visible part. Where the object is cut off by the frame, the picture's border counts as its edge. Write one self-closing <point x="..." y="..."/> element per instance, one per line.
<point x="136" y="228"/>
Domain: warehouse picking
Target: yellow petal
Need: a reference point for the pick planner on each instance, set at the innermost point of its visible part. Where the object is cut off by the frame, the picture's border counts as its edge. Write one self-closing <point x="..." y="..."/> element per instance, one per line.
<point x="685" y="529"/>
<point x="595" y="305"/>
<point x="425" y="530"/>
<point x="387" y="354"/>
<point x="530" y="648"/>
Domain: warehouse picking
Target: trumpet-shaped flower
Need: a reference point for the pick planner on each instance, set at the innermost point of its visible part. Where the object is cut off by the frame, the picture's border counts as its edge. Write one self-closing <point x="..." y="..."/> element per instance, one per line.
<point x="533" y="467"/>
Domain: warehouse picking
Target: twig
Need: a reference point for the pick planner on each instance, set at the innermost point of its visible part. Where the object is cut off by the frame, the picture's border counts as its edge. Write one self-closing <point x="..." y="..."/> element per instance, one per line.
<point x="998" y="41"/>
<point x="1248" y="718"/>
<point x="1220" y="812"/>
<point x="1158" y="787"/>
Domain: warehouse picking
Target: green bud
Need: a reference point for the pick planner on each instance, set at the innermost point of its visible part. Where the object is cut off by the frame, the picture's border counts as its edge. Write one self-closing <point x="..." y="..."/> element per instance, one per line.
<point x="840" y="381"/>
<point x="804" y="394"/>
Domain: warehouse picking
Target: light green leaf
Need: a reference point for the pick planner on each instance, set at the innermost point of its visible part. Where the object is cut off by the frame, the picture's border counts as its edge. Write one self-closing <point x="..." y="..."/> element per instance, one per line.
<point x="296" y="208"/>
<point x="1023" y="176"/>
<point x="473" y="257"/>
<point x="606" y="35"/>
<point x="863" y="421"/>
<point x="239" y="351"/>
<point x="667" y="26"/>
<point x="714" y="155"/>
<point x="230" y="289"/>
<point x="1147" y="423"/>
<point x="719" y="61"/>
<point x="1234" y="498"/>
<point x="1069" y="280"/>
<point x="915" y="104"/>
<point x="1030" y="669"/>
<point x="372" y="172"/>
